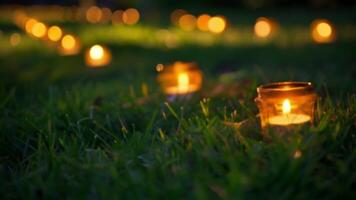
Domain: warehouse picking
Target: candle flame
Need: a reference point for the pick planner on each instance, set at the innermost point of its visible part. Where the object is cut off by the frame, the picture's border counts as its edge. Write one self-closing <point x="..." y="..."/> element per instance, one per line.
<point x="96" y="52"/>
<point x="183" y="82"/>
<point x="286" y="106"/>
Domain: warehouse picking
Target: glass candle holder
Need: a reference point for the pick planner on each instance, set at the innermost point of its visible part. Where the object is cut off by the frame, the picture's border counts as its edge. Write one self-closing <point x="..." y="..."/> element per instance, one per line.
<point x="97" y="56"/>
<point x="285" y="105"/>
<point x="180" y="78"/>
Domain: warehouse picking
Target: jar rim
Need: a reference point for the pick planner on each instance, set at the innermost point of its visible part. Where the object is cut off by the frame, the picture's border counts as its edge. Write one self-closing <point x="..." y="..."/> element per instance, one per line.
<point x="279" y="88"/>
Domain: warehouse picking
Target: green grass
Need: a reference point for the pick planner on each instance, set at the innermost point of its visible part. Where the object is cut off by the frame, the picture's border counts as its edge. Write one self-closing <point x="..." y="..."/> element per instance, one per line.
<point x="69" y="132"/>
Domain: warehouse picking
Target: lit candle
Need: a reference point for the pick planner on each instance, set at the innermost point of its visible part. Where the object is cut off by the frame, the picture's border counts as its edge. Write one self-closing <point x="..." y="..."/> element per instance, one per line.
<point x="287" y="117"/>
<point x="286" y="104"/>
<point x="179" y="78"/>
<point x="97" y="56"/>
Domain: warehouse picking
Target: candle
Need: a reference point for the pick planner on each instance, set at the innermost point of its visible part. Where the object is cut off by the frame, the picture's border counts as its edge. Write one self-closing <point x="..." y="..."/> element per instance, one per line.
<point x="285" y="104"/>
<point x="97" y="56"/>
<point x="179" y="78"/>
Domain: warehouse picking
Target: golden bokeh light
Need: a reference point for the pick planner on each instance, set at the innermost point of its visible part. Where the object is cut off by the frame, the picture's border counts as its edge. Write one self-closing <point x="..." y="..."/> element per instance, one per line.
<point x="131" y="16"/>
<point x="117" y="17"/>
<point x="187" y="22"/>
<point x="68" y="42"/>
<point x="20" y="18"/>
<point x="263" y="27"/>
<point x="322" y="31"/>
<point x="39" y="30"/>
<point x="96" y="52"/>
<point x="15" y="39"/>
<point x="159" y="67"/>
<point x="94" y="14"/>
<point x="54" y="33"/>
<point x="202" y="22"/>
<point x="106" y="15"/>
<point x="217" y="24"/>
<point x="97" y="56"/>
<point x="29" y="24"/>
<point x="176" y="15"/>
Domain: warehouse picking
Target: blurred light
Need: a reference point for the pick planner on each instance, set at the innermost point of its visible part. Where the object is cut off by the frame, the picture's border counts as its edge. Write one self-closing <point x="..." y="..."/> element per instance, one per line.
<point x="39" y="30"/>
<point x="96" y="52"/>
<point x="176" y="15"/>
<point x="29" y="24"/>
<point x="106" y="15"/>
<point x="187" y="22"/>
<point x="159" y="67"/>
<point x="131" y="16"/>
<point x="217" y="24"/>
<point x="20" y="18"/>
<point x="117" y="17"/>
<point x="54" y="33"/>
<point x="297" y="154"/>
<point x="322" y="31"/>
<point x="94" y="14"/>
<point x="15" y="39"/>
<point x="97" y="56"/>
<point x="263" y="27"/>
<point x="68" y="42"/>
<point x="203" y="21"/>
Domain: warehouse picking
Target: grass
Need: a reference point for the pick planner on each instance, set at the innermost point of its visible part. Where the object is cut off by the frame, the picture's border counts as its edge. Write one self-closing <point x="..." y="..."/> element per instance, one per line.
<point x="69" y="132"/>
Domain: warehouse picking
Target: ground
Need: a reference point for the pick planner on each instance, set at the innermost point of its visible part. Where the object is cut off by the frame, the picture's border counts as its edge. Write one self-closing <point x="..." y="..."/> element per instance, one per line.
<point x="68" y="131"/>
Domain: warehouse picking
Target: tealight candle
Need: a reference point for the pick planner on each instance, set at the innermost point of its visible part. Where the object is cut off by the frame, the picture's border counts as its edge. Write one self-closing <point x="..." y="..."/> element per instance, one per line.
<point x="97" y="56"/>
<point x="180" y="78"/>
<point x="286" y="104"/>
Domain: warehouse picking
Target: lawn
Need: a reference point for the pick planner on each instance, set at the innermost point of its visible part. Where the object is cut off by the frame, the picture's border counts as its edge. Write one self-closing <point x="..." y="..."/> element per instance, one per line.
<point x="72" y="132"/>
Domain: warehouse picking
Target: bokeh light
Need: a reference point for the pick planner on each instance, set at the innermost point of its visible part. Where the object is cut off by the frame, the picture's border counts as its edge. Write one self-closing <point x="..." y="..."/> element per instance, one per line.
<point x="39" y="30"/>
<point x="29" y="24"/>
<point x="187" y="22"/>
<point x="322" y="31"/>
<point x="94" y="14"/>
<point x="117" y="17"/>
<point x="68" y="42"/>
<point x="217" y="24"/>
<point x="54" y="33"/>
<point x="106" y="15"/>
<point x="96" y="52"/>
<point x="176" y="15"/>
<point x="202" y="22"/>
<point x="15" y="39"/>
<point x="131" y="16"/>
<point x="263" y="27"/>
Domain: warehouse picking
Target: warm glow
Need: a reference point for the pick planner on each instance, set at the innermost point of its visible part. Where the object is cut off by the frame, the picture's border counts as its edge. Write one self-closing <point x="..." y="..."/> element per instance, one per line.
<point x="29" y="25"/>
<point x="68" y="42"/>
<point x="96" y="52"/>
<point x="159" y="67"/>
<point x="94" y="14"/>
<point x="176" y="15"/>
<point x="183" y="82"/>
<point x="187" y="22"/>
<point x="324" y="29"/>
<point x="39" y="29"/>
<point x="216" y="24"/>
<point x="203" y="21"/>
<point x="131" y="16"/>
<point x="286" y="106"/>
<point x="106" y="15"/>
<point x="15" y="39"/>
<point x="117" y="17"/>
<point x="262" y="28"/>
<point x="54" y="33"/>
